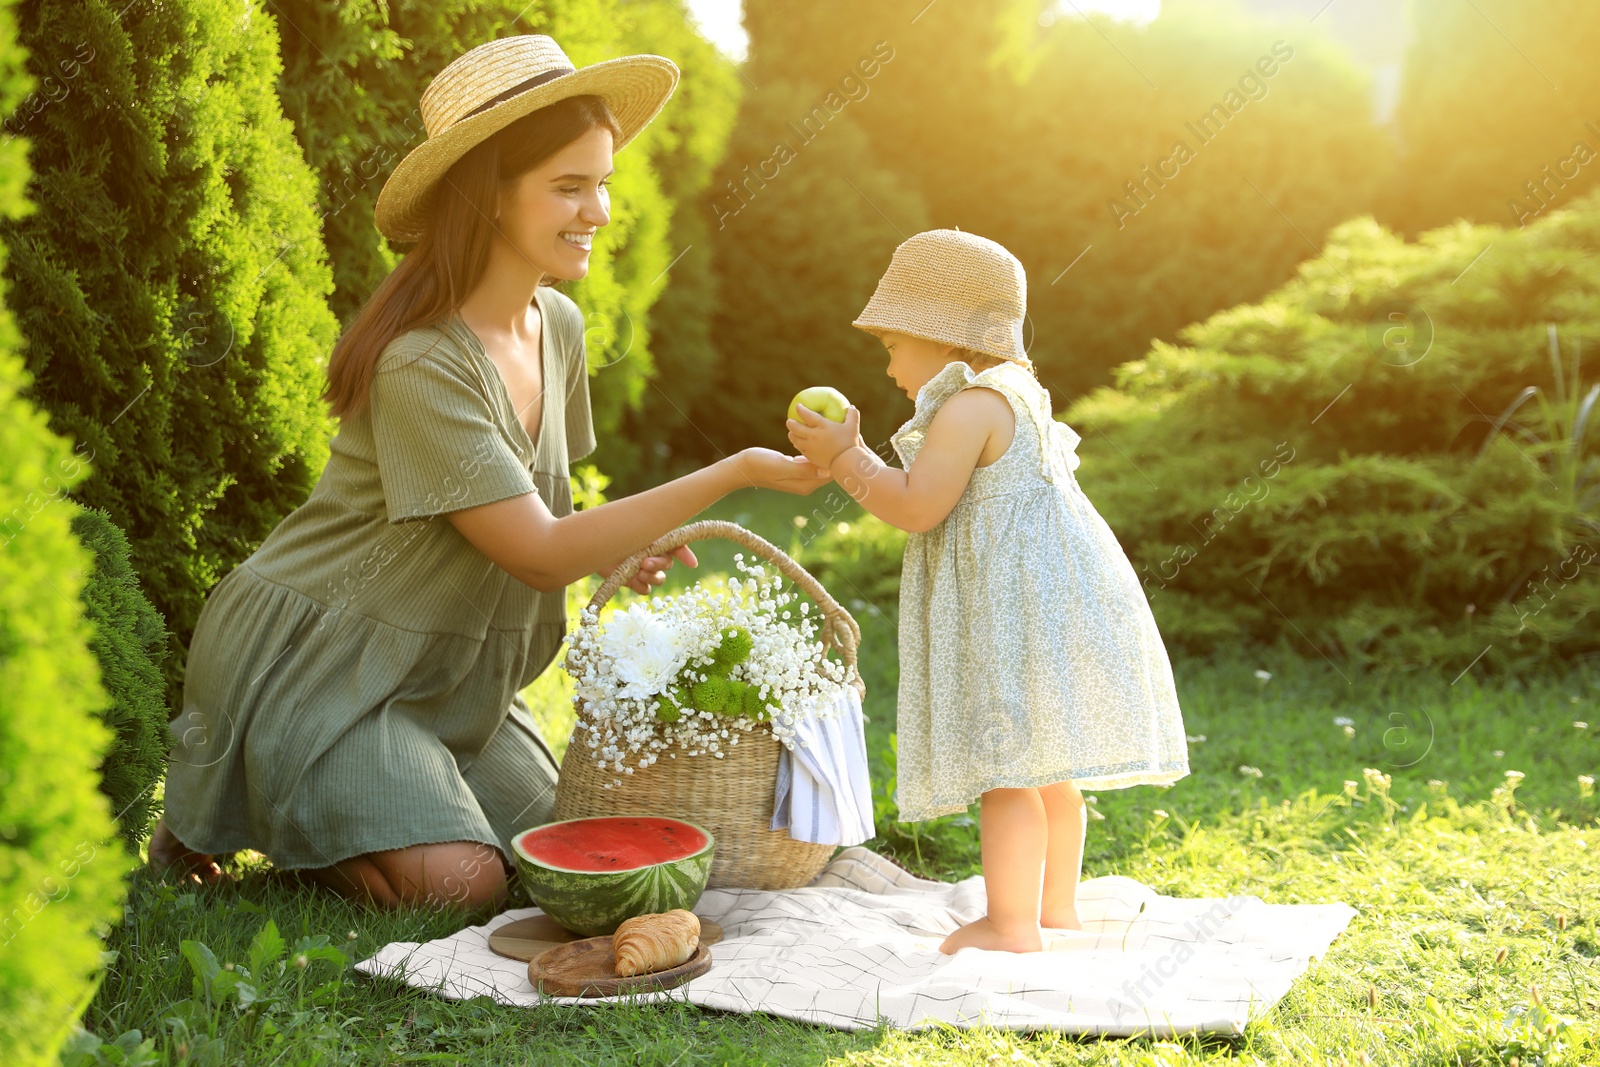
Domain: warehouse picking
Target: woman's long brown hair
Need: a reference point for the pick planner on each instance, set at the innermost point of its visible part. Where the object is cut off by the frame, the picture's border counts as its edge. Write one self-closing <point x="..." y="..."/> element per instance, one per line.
<point x="433" y="279"/>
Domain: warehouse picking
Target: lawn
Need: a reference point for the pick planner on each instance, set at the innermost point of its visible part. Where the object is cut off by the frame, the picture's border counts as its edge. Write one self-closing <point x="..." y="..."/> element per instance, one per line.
<point x="1450" y="812"/>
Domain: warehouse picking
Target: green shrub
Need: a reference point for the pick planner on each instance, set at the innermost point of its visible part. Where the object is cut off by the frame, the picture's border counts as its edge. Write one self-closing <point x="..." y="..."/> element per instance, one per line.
<point x="59" y="882"/>
<point x="171" y="284"/>
<point x="129" y="641"/>
<point x="1341" y="465"/>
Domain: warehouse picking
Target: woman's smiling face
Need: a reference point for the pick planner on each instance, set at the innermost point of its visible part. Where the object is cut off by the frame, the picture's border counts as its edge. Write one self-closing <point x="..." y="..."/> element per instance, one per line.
<point x="914" y="361"/>
<point x="550" y="214"/>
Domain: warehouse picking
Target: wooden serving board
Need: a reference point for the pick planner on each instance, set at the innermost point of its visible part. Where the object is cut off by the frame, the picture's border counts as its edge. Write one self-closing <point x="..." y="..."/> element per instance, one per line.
<point x="587" y="968"/>
<point x="527" y="938"/>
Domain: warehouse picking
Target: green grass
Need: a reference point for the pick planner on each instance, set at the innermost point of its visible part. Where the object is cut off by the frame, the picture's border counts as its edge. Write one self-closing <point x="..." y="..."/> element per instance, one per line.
<point x="1478" y="895"/>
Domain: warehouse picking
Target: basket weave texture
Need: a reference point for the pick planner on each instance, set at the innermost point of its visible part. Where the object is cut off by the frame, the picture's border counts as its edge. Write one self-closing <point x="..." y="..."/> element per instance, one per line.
<point x="732" y="796"/>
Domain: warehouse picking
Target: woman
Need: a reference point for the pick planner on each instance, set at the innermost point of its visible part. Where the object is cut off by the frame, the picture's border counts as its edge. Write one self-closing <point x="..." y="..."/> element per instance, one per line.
<point x="351" y="704"/>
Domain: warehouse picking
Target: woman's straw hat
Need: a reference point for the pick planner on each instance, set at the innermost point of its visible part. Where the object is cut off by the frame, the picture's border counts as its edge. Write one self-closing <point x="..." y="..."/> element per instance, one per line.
<point x="956" y="288"/>
<point x="493" y="85"/>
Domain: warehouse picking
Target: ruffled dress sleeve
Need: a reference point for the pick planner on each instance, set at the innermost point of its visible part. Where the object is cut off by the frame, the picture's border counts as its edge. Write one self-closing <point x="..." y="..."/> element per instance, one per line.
<point x="1059" y="453"/>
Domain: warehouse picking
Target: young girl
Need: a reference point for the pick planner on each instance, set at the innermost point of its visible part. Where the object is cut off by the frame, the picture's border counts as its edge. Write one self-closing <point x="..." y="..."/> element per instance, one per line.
<point x="1030" y="665"/>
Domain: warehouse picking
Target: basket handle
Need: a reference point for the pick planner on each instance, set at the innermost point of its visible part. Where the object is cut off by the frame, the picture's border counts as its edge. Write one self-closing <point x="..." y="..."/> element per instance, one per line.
<point x="839" y="630"/>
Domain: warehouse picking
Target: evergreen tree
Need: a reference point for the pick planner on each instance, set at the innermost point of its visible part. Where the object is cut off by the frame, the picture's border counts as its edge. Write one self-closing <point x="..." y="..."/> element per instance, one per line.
<point x="171" y="284"/>
<point x="691" y="140"/>
<point x="1498" y="117"/>
<point x="60" y="879"/>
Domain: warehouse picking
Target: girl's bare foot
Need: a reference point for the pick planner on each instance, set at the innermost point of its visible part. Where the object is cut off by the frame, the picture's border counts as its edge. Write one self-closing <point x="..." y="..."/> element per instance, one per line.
<point x="1061" y="919"/>
<point x="983" y="933"/>
<point x="168" y="854"/>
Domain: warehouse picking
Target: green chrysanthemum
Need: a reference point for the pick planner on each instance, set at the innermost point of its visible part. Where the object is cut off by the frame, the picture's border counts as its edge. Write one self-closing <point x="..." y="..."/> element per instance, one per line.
<point x="734" y="649"/>
<point x="737" y="694"/>
<point x="711" y="694"/>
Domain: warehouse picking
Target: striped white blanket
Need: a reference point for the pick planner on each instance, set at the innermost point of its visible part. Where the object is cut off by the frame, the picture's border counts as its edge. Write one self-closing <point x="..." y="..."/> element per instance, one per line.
<point x="863" y="941"/>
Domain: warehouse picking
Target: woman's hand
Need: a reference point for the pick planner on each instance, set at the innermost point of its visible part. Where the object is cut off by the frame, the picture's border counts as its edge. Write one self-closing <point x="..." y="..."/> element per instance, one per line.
<point x="821" y="440"/>
<point x="653" y="569"/>
<point x="770" y="469"/>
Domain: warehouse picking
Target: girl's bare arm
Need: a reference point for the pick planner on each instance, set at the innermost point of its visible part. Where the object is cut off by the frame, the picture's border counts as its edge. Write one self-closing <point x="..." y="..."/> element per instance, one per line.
<point x="917" y="499"/>
<point x="532" y="545"/>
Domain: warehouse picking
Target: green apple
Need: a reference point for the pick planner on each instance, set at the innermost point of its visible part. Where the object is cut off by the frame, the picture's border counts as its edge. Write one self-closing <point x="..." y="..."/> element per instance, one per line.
<point x="823" y="399"/>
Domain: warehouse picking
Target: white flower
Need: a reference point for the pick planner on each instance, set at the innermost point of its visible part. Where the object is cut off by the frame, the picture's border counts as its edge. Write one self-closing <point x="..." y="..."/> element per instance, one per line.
<point x="1249" y="771"/>
<point x="629" y="630"/>
<point x="1343" y="720"/>
<point x="650" y="668"/>
<point x="1263" y="675"/>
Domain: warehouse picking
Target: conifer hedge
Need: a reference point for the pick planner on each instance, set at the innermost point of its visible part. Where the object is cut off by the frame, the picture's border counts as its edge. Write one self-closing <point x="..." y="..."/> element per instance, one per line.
<point x="129" y="641"/>
<point x="171" y="286"/>
<point x="1393" y="455"/>
<point x="60" y="880"/>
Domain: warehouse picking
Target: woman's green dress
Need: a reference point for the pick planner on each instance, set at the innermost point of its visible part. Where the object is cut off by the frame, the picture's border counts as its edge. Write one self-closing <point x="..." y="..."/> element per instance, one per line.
<point x="354" y="684"/>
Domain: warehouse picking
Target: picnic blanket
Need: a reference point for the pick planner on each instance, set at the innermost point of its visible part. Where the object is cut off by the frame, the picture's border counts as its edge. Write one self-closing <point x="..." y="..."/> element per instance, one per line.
<point x="862" y="942"/>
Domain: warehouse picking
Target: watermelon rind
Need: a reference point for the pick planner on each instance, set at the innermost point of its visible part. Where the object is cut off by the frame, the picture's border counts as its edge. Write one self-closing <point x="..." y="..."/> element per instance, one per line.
<point x="592" y="903"/>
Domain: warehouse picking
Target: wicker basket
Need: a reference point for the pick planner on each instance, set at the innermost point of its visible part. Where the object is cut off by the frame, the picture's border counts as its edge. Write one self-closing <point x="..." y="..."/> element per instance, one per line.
<point x="731" y="797"/>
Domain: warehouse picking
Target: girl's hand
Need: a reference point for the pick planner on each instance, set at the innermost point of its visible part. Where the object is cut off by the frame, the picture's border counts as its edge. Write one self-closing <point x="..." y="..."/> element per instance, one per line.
<point x="771" y="469"/>
<point x="652" y="571"/>
<point x="821" y="440"/>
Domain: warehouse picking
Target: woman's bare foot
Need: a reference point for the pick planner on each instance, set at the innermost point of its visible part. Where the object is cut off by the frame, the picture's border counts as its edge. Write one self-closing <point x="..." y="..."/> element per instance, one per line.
<point x="1061" y="919"/>
<point x="982" y="933"/>
<point x="168" y="854"/>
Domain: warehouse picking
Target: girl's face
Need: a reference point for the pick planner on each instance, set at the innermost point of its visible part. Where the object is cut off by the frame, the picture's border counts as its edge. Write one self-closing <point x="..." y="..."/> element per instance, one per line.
<point x="914" y="361"/>
<point x="550" y="215"/>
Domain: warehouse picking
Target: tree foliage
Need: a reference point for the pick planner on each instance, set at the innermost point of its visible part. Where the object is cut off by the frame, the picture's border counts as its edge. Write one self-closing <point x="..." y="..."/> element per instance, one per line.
<point x="60" y="882"/>
<point x="171" y="285"/>
<point x="1497" y="115"/>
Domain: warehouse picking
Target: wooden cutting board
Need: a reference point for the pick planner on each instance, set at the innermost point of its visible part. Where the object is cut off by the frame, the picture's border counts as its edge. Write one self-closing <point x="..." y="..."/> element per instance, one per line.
<point x="527" y="938"/>
<point x="587" y="968"/>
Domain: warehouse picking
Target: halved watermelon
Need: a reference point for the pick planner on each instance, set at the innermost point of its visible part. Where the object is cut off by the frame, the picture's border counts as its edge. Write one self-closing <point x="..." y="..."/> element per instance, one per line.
<point x="590" y="875"/>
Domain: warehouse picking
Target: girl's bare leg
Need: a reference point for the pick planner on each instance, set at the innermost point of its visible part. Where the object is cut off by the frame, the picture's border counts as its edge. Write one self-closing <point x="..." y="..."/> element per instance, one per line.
<point x="1068" y="819"/>
<point x="467" y="874"/>
<point x="1014" y="834"/>
<point x="169" y="855"/>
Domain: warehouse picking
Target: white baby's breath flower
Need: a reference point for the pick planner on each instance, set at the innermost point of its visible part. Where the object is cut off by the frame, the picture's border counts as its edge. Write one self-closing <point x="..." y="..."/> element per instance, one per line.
<point x="621" y="667"/>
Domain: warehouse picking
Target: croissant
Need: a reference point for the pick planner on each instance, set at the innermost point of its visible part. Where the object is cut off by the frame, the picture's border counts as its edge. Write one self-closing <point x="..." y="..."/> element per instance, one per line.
<point x="656" y="942"/>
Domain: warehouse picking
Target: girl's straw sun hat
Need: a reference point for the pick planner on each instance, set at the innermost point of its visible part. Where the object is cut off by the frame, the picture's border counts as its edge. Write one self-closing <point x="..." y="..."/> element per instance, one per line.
<point x="493" y="85"/>
<point x="956" y="288"/>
